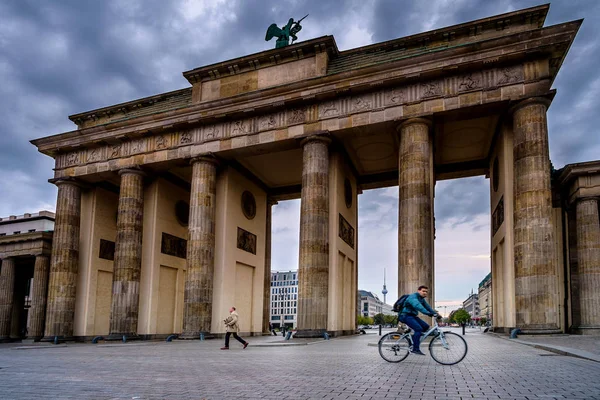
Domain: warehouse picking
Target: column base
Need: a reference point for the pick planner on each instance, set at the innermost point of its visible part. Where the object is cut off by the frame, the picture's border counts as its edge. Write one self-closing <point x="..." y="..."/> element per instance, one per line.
<point x="119" y="336"/>
<point x="540" y="331"/>
<point x="195" y="335"/>
<point x="590" y="330"/>
<point x="57" y="339"/>
<point x="309" y="333"/>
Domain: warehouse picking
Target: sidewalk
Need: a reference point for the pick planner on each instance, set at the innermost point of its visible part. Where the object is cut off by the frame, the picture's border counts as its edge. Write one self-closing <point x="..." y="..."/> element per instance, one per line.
<point x="587" y="347"/>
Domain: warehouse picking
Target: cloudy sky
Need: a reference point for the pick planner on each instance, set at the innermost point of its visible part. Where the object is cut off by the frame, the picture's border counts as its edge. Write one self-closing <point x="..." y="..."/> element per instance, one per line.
<point x="63" y="57"/>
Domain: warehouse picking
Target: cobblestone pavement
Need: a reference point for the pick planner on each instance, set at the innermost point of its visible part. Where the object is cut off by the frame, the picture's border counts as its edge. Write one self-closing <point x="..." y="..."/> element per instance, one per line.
<point x="344" y="368"/>
<point x="579" y="342"/>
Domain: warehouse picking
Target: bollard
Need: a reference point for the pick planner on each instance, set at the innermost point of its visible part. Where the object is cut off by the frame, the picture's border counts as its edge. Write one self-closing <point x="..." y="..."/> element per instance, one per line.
<point x="95" y="340"/>
<point x="514" y="332"/>
<point x="379" y="329"/>
<point x="463" y="329"/>
<point x="202" y="336"/>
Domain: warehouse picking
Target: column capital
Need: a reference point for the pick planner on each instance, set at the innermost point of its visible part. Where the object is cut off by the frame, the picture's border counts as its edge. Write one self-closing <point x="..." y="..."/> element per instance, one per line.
<point x="68" y="180"/>
<point x="132" y="170"/>
<point x="530" y="101"/>
<point x="411" y="121"/>
<point x="586" y="198"/>
<point x="318" y="137"/>
<point x="208" y="158"/>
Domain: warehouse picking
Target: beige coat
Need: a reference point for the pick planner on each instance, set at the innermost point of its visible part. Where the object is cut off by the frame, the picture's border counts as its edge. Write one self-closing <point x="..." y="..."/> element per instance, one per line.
<point x="231" y="322"/>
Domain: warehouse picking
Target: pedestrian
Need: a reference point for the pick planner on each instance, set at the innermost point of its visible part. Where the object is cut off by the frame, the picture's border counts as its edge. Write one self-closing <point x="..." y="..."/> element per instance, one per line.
<point x="231" y="323"/>
<point x="272" y="330"/>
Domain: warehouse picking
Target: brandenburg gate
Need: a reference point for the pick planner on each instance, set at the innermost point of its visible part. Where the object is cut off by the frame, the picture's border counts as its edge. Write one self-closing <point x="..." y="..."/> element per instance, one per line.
<point x="163" y="216"/>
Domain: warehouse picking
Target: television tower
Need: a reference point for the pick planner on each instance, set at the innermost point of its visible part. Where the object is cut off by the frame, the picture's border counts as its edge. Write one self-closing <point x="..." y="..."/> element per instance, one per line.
<point x="384" y="291"/>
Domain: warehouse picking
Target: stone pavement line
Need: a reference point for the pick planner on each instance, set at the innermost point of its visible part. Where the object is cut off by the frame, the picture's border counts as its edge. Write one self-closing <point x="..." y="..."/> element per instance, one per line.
<point x="344" y="368"/>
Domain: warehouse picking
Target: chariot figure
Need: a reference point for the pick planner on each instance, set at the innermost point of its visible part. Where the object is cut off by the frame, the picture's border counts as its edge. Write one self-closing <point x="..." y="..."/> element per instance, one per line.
<point x="284" y="33"/>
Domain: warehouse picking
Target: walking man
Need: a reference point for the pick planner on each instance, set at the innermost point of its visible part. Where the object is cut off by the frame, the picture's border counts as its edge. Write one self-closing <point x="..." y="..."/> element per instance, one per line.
<point x="414" y="304"/>
<point x="231" y="323"/>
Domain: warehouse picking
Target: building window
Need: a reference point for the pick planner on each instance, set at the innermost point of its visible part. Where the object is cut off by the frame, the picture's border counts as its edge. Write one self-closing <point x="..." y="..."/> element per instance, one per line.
<point x="16" y="232"/>
<point x="2" y="234"/>
<point x="31" y="230"/>
<point x="275" y="317"/>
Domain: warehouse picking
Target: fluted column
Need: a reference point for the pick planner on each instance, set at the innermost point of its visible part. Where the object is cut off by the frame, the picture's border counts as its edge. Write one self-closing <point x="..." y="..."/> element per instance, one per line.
<point x="588" y="254"/>
<point x="267" y="276"/>
<point x="64" y="262"/>
<point x="37" y="312"/>
<point x="128" y="255"/>
<point x="415" y="237"/>
<point x="7" y="293"/>
<point x="198" y="295"/>
<point x="313" y="271"/>
<point x="536" y="282"/>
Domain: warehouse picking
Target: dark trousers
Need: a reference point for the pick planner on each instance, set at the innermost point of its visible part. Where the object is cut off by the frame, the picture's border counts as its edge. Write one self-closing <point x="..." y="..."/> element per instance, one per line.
<point x="235" y="335"/>
<point x="417" y="325"/>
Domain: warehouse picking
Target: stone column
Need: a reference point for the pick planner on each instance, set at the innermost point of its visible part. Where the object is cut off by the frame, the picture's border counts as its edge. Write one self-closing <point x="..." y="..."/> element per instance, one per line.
<point x="38" y="300"/>
<point x="536" y="281"/>
<point x="7" y="294"/>
<point x="267" y="277"/>
<point x="128" y="255"/>
<point x="198" y="295"/>
<point x="64" y="262"/>
<point x="588" y="254"/>
<point x="415" y="237"/>
<point x="313" y="271"/>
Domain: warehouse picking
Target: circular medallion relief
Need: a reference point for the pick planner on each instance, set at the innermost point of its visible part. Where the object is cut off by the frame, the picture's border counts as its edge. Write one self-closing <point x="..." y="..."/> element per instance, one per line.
<point x="182" y="212"/>
<point x="348" y="192"/>
<point x="496" y="174"/>
<point x="248" y="204"/>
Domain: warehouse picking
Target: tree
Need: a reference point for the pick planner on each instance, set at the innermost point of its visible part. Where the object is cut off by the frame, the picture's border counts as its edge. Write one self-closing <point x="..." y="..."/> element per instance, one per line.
<point x="362" y="320"/>
<point x="379" y="319"/>
<point x="391" y="319"/>
<point x="460" y="316"/>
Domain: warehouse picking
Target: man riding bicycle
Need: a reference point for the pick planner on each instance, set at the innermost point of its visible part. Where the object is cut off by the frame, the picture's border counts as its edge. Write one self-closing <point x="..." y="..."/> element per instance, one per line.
<point x="414" y="304"/>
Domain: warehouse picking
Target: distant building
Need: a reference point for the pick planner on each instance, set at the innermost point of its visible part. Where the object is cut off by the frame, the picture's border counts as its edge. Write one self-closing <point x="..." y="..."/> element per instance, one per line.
<point x="284" y="298"/>
<point x="485" y="298"/>
<point x="370" y="305"/>
<point x="25" y="248"/>
<point x="471" y="305"/>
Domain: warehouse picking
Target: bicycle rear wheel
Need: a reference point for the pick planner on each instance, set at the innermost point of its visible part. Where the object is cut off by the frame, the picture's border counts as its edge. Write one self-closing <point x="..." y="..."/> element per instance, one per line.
<point x="393" y="347"/>
<point x="449" y="349"/>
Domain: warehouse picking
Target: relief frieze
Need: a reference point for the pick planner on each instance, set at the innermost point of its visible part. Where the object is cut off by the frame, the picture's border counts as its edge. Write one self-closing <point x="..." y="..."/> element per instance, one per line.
<point x="137" y="146"/>
<point x="509" y="75"/>
<point x="296" y="115"/>
<point x="329" y="109"/>
<point x="115" y="151"/>
<point x="362" y="103"/>
<point x="212" y="132"/>
<point x="241" y="127"/>
<point x="95" y="154"/>
<point x="161" y="142"/>
<point x="72" y="159"/>
<point x="267" y="122"/>
<point x="470" y="82"/>
<point x="185" y="138"/>
<point x="431" y="89"/>
<point x="395" y="96"/>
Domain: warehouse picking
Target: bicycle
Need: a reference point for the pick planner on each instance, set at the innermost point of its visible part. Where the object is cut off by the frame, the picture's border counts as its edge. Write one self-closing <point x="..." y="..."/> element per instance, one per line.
<point x="446" y="348"/>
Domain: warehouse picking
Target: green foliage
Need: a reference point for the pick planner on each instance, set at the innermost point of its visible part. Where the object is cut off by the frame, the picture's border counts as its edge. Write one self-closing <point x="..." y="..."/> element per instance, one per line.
<point x="391" y="319"/>
<point x="459" y="316"/>
<point x="379" y="319"/>
<point x="483" y="321"/>
<point x="362" y="320"/>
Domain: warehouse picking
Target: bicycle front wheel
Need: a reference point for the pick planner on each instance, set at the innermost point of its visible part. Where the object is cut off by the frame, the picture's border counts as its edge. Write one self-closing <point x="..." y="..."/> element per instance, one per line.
<point x="448" y="348"/>
<point x="393" y="347"/>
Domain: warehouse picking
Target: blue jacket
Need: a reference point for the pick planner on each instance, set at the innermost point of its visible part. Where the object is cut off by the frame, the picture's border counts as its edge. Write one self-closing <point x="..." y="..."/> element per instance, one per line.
<point x="415" y="304"/>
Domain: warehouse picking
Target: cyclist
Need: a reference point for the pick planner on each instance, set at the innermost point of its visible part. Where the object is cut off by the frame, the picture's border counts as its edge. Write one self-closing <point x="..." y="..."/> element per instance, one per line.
<point x="414" y="304"/>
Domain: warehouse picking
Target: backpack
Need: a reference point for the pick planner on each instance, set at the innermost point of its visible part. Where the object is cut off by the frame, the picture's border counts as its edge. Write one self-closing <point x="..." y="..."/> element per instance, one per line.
<point x="399" y="304"/>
